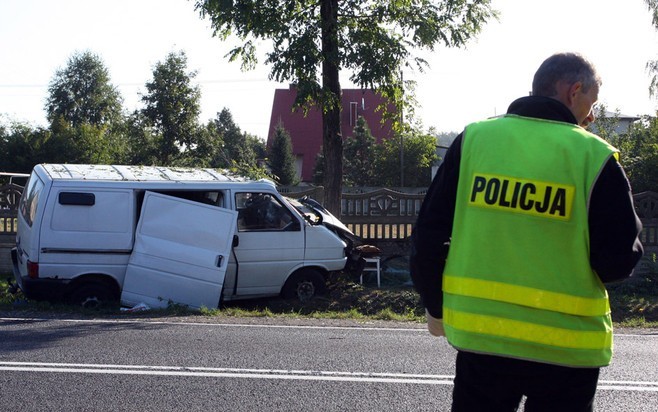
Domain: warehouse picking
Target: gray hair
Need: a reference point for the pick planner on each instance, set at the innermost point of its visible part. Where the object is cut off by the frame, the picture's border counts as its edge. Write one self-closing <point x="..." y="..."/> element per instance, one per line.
<point x="567" y="67"/>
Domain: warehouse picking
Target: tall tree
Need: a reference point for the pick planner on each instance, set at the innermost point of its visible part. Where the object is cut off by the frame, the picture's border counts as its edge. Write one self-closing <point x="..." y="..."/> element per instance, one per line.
<point x="85" y="143"/>
<point x="172" y="106"/>
<point x="210" y="147"/>
<point x="652" y="66"/>
<point x="81" y="93"/>
<point x="143" y="145"/>
<point x="257" y="146"/>
<point x="359" y="156"/>
<point x="236" y="150"/>
<point x="639" y="153"/>
<point x="313" y="40"/>
<point x="282" y="160"/>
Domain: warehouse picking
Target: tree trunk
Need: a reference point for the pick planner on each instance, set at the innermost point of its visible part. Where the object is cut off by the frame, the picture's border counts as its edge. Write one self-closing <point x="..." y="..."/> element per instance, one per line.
<point x="332" y="138"/>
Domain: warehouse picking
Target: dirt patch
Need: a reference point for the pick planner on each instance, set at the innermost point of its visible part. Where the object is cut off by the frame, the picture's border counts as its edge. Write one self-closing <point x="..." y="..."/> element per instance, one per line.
<point x="344" y="294"/>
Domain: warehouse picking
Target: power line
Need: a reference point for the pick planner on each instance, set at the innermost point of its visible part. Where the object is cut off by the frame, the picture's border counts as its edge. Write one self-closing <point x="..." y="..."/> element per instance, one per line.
<point x="210" y="81"/>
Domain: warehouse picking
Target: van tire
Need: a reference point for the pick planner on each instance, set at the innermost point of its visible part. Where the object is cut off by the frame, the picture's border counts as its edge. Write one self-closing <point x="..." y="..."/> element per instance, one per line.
<point x="304" y="284"/>
<point x="92" y="295"/>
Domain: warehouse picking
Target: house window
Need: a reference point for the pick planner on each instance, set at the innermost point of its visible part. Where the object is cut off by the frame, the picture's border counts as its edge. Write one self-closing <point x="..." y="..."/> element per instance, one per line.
<point x="354" y="106"/>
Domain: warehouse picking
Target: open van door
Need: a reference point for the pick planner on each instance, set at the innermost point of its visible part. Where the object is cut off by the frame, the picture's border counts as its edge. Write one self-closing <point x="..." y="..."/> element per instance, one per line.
<point x="180" y="254"/>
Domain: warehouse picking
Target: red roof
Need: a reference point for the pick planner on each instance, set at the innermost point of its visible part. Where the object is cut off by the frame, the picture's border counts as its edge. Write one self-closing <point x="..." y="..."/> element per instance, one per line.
<point x="306" y="132"/>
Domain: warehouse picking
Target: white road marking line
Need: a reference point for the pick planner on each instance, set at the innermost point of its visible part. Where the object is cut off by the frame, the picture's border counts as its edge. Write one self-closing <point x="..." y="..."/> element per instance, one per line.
<point x="242" y="325"/>
<point x="226" y="373"/>
<point x="338" y="376"/>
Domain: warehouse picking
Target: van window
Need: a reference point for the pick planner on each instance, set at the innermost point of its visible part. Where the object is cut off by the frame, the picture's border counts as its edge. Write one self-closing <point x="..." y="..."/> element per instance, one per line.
<point x="215" y="198"/>
<point x="262" y="211"/>
<point x="30" y="199"/>
<point x="76" y="198"/>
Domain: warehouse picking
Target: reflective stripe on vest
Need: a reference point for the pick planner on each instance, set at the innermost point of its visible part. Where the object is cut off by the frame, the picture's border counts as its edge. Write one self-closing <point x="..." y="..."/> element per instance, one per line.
<point x="525" y="296"/>
<point x="527" y="331"/>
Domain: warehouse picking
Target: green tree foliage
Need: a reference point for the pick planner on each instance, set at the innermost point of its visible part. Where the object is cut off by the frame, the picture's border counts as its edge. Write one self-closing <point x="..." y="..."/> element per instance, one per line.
<point x="236" y="148"/>
<point x="167" y="125"/>
<point x="639" y="153"/>
<point x="172" y="107"/>
<point x="142" y="141"/>
<point x="81" y="93"/>
<point x="209" y="148"/>
<point x="281" y="159"/>
<point x="359" y="156"/>
<point x="638" y="147"/>
<point x="419" y="155"/>
<point x="21" y="147"/>
<point x="652" y="66"/>
<point x="313" y="41"/>
<point x="257" y="146"/>
<point x="84" y="143"/>
<point x="224" y="145"/>
<point x="84" y="110"/>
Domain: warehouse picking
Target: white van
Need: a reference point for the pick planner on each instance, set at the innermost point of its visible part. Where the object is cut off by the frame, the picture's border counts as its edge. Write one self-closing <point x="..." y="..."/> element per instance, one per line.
<point x="158" y="235"/>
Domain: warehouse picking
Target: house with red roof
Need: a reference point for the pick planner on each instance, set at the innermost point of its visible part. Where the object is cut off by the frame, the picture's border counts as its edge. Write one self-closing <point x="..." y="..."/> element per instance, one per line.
<point x="306" y="131"/>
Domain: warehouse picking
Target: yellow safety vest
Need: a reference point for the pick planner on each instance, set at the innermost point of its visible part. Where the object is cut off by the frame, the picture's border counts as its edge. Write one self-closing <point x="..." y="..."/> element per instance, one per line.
<point x="518" y="282"/>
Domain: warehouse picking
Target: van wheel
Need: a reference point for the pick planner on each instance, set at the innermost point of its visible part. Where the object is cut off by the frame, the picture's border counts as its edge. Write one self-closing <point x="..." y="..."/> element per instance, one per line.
<point x="304" y="285"/>
<point x="91" y="295"/>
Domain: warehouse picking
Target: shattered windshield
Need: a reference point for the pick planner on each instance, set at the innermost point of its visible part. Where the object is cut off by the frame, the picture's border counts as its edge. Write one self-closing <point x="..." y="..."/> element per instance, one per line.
<point x="310" y="214"/>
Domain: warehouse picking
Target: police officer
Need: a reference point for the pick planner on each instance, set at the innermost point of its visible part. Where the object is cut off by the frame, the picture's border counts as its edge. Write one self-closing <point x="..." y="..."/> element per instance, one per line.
<point x="533" y="214"/>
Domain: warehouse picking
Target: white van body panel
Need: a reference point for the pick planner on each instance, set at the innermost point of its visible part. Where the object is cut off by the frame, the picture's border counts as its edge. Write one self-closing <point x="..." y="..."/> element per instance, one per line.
<point x="77" y="239"/>
<point x="108" y="226"/>
<point x="180" y="255"/>
<point x="322" y="245"/>
<point x="267" y="259"/>
<point x="33" y="202"/>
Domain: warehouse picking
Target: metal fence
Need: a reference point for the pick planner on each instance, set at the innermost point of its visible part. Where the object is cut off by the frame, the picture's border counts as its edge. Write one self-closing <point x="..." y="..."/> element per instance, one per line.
<point x="385" y="214"/>
<point x="9" y="197"/>
<point x="646" y="206"/>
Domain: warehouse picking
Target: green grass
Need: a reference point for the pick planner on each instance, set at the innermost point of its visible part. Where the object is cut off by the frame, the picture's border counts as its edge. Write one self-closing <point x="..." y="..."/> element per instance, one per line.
<point x="345" y="300"/>
<point x="634" y="303"/>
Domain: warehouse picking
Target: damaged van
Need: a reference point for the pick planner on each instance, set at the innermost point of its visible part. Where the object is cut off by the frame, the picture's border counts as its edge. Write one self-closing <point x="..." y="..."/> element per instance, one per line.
<point x="88" y="234"/>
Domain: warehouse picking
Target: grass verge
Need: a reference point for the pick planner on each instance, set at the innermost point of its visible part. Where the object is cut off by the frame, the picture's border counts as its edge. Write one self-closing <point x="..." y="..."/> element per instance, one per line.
<point x="634" y="303"/>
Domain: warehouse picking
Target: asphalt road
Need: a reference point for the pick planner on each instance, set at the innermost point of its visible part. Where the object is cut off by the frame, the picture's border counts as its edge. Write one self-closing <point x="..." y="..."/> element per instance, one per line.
<point x="196" y="364"/>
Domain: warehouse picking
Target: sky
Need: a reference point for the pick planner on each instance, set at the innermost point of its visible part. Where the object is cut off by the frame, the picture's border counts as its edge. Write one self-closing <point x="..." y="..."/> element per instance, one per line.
<point x="37" y="37"/>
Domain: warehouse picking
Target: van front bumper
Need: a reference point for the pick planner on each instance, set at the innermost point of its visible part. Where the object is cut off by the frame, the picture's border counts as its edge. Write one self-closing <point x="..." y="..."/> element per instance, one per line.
<point x="38" y="289"/>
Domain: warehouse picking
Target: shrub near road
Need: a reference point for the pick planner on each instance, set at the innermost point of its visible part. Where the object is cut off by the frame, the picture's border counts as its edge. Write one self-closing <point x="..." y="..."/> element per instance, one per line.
<point x="635" y="301"/>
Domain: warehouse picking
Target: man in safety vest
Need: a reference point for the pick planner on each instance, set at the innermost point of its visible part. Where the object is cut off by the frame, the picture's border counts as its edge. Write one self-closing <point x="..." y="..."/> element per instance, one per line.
<point x="527" y="217"/>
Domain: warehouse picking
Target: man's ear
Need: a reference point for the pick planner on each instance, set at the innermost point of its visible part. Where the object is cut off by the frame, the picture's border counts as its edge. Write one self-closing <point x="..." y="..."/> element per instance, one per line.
<point x="573" y="91"/>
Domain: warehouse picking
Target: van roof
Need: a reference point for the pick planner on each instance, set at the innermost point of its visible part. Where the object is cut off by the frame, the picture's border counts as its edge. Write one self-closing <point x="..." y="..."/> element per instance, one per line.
<point x="138" y="173"/>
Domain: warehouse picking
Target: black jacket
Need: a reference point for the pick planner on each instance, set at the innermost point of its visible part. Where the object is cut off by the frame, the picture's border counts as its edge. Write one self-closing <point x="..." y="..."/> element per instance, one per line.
<point x="614" y="228"/>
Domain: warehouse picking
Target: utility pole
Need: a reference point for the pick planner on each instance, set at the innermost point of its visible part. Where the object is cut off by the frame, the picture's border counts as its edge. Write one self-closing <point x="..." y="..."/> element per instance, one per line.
<point x="401" y="132"/>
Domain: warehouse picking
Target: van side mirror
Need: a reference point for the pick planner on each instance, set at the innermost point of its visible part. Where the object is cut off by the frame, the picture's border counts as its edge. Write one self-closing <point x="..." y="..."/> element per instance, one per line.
<point x="236" y="241"/>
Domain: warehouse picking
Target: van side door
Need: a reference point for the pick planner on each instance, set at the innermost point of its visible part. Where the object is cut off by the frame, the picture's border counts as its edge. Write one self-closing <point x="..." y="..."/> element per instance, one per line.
<point x="181" y="253"/>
